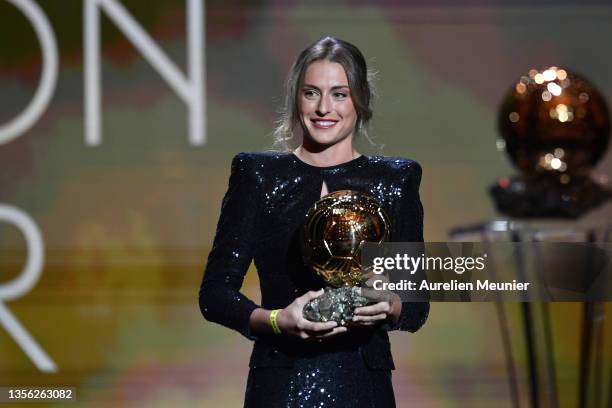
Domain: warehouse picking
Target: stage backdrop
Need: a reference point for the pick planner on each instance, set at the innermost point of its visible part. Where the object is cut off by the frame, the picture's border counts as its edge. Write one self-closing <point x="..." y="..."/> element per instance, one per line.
<point x="118" y="122"/>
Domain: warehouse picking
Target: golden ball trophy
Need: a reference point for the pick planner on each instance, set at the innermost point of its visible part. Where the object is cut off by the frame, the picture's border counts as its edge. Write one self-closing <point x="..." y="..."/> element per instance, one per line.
<point x="335" y="230"/>
<point x="555" y="128"/>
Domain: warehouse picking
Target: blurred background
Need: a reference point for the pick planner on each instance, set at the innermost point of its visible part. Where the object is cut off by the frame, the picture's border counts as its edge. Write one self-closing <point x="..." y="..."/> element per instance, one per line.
<point x="127" y="220"/>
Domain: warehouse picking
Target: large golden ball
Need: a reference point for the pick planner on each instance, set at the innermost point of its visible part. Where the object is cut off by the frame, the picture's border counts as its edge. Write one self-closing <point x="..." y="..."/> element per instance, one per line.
<point x="554" y="122"/>
<point x="335" y="230"/>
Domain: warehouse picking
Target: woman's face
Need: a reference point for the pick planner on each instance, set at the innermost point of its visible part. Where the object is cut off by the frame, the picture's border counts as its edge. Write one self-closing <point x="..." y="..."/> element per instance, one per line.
<point x="326" y="108"/>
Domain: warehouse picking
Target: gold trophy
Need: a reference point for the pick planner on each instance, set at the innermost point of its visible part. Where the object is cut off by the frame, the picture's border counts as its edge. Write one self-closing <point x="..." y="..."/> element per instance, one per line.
<point x="555" y="128"/>
<point x="335" y="230"/>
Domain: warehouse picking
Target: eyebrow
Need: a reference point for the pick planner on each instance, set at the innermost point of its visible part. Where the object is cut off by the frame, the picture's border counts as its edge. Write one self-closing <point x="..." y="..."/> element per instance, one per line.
<point x="333" y="87"/>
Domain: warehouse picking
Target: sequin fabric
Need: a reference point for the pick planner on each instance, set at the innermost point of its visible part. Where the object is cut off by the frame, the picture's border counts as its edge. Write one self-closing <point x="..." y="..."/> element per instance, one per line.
<point x="332" y="380"/>
<point x="262" y="212"/>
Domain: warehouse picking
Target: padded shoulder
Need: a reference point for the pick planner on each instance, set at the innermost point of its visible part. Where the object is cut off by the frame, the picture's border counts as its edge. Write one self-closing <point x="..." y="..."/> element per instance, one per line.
<point x="402" y="165"/>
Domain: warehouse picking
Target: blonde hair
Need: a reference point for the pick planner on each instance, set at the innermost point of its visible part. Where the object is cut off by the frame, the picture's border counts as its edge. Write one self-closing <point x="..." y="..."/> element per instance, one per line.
<point x="359" y="79"/>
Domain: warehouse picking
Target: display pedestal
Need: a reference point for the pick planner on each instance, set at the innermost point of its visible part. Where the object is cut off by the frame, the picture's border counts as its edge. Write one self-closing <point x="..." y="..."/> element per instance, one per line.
<point x="539" y="339"/>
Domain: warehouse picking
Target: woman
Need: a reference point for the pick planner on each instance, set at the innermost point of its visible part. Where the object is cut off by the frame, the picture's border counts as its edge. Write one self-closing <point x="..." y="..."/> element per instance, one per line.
<point x="296" y="362"/>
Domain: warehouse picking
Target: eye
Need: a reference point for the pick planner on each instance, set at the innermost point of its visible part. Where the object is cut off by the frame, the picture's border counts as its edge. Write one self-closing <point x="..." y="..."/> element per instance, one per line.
<point x="310" y="93"/>
<point x="340" y="95"/>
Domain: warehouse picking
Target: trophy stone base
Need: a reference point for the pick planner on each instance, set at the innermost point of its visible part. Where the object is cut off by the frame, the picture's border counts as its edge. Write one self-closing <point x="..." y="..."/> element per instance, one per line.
<point x="336" y="304"/>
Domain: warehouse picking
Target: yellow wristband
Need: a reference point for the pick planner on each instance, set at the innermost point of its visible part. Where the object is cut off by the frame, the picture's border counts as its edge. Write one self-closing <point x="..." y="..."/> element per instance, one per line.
<point x="273" y="321"/>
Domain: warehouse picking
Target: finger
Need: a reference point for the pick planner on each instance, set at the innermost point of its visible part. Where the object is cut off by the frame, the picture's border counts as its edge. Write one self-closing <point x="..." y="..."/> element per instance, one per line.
<point x="315" y="327"/>
<point x="334" y="332"/>
<point x="377" y="278"/>
<point x="308" y="296"/>
<point x="367" y="274"/>
<point x="365" y="325"/>
<point x="380" y="307"/>
<point x="376" y="295"/>
<point x="368" y="319"/>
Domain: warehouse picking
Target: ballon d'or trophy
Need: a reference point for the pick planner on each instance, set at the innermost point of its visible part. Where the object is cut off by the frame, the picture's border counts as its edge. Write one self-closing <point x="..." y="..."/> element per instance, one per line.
<point x="555" y="128"/>
<point x="335" y="230"/>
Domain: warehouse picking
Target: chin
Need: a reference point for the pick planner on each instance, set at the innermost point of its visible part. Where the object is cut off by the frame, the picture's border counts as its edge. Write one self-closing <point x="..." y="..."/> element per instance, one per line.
<point x="325" y="140"/>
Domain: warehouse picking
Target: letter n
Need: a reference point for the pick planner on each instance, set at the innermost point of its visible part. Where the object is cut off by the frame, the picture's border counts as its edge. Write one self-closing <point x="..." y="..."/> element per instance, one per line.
<point x="190" y="89"/>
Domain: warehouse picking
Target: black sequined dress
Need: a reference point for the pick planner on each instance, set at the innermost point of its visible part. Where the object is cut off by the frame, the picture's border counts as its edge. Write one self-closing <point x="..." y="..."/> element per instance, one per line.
<point x="262" y="212"/>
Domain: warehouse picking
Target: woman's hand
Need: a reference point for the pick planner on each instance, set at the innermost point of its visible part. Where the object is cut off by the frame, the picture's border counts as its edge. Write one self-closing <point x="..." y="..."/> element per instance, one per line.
<point x="386" y="309"/>
<point x="291" y="321"/>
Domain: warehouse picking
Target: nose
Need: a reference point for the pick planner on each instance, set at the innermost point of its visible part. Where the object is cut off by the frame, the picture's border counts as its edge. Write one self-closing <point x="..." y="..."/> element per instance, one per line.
<point x="324" y="106"/>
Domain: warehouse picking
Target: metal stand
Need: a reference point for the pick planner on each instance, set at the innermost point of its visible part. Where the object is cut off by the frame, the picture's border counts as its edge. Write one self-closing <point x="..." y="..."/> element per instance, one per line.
<point x="539" y="339"/>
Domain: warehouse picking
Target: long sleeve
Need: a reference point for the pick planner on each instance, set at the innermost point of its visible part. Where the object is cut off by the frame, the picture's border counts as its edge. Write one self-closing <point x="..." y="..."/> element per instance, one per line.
<point x="232" y="251"/>
<point x="409" y="228"/>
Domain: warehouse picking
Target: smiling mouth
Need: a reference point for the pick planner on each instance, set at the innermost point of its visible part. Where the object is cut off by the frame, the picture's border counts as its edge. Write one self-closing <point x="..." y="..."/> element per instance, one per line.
<point x="323" y="124"/>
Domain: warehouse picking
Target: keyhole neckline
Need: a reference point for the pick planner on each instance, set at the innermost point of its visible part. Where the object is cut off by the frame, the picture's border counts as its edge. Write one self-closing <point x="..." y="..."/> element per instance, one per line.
<point x="357" y="160"/>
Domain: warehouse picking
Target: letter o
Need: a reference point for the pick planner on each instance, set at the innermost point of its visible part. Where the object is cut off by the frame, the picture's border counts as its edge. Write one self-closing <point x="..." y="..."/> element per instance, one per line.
<point x="48" y="78"/>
